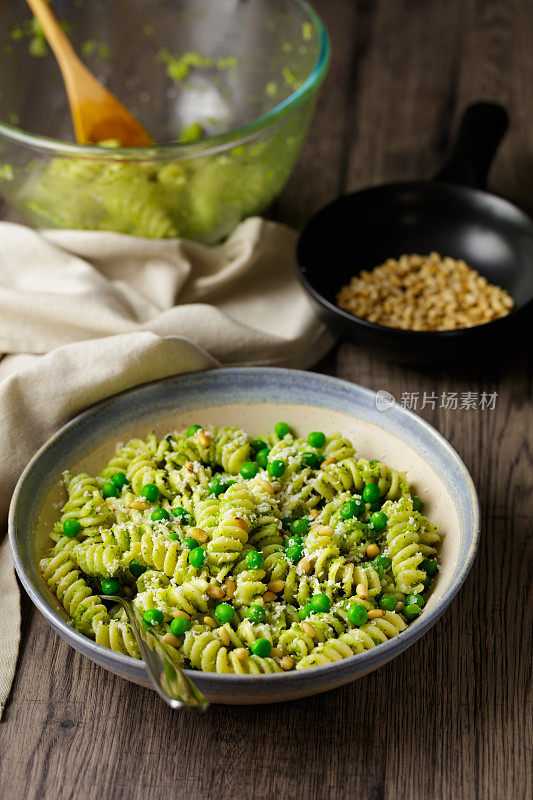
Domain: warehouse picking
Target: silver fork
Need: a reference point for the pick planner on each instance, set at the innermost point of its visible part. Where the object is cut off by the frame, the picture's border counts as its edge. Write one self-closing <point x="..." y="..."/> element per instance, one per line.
<point x="169" y="680"/>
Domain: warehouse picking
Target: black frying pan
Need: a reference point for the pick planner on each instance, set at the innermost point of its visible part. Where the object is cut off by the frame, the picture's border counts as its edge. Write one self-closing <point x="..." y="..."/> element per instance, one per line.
<point x="452" y="215"/>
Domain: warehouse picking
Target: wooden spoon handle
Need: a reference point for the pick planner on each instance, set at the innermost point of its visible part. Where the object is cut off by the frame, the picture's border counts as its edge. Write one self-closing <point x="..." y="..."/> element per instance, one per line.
<point x="55" y="36"/>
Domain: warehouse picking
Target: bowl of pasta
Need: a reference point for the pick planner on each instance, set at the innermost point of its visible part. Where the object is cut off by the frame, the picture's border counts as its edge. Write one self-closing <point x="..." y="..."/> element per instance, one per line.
<point x="283" y="532"/>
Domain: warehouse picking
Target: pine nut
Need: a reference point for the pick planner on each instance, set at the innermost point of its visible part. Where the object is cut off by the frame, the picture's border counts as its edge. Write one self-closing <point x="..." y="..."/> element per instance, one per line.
<point x="230" y="588"/>
<point x="304" y="565"/>
<point x="376" y="613"/>
<point x="177" y="612"/>
<point x="203" y="438"/>
<point x="189" y="466"/>
<point x="241" y="653"/>
<point x="372" y="550"/>
<point x="216" y="592"/>
<point x="223" y="635"/>
<point x="287" y="663"/>
<point x="169" y="638"/>
<point x="314" y="513"/>
<point x="326" y="530"/>
<point x="427" y="293"/>
<point x="328" y="461"/>
<point x="265" y="485"/>
<point x="241" y="523"/>
<point x="139" y="505"/>
<point x="308" y="629"/>
<point x="210" y="622"/>
<point x="276" y="586"/>
<point x="269" y="596"/>
<point x="361" y="591"/>
<point x="198" y="535"/>
<point x="276" y="652"/>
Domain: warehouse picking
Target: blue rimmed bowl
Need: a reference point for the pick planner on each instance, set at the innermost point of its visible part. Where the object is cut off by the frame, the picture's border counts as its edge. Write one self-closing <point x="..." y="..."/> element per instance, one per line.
<point x="255" y="399"/>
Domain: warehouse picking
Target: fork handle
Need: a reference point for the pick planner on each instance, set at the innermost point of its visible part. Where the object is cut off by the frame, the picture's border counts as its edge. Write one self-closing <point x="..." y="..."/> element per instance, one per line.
<point x="168" y="679"/>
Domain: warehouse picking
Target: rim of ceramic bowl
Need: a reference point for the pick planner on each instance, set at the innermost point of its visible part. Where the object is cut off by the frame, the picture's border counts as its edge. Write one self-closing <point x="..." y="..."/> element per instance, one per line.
<point x="366" y="660"/>
<point x="210" y="144"/>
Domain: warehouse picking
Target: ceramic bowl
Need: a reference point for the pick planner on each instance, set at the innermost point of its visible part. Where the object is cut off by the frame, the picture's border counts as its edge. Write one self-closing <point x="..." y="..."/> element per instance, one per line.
<point x="255" y="399"/>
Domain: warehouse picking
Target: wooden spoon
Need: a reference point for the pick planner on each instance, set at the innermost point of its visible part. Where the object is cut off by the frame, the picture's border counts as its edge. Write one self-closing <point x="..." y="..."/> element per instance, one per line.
<point x="97" y="115"/>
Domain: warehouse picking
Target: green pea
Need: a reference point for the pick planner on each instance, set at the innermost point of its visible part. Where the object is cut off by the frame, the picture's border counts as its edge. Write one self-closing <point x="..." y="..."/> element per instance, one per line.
<point x="109" y="489"/>
<point x="150" y="492"/>
<point x="352" y="508"/>
<point x="110" y="586"/>
<point x="197" y="557"/>
<point x="294" y="540"/>
<point x="294" y="552"/>
<point x="249" y="470"/>
<point x="414" y="598"/>
<point x="377" y="566"/>
<point x="388" y="602"/>
<point x="299" y="527"/>
<point x="119" y="479"/>
<point x="317" y="439"/>
<point x="430" y="566"/>
<point x="213" y="484"/>
<point x="136" y="569"/>
<point x="153" y="616"/>
<point x="412" y="611"/>
<point x="174" y="537"/>
<point x="216" y="486"/>
<point x="192" y="429"/>
<point x="426" y="583"/>
<point x="158" y="514"/>
<point x="378" y="520"/>
<point x="371" y="493"/>
<point x="257" y="445"/>
<point x="276" y="469"/>
<point x="180" y="513"/>
<point x="180" y="625"/>
<point x="383" y="561"/>
<point x="320" y="602"/>
<point x="357" y="614"/>
<point x="305" y="612"/>
<point x="373" y="462"/>
<point x="224" y="613"/>
<point x="282" y="429"/>
<point x="71" y="527"/>
<point x="256" y="613"/>
<point x="311" y="460"/>
<point x="262" y="457"/>
<point x="190" y="543"/>
<point x="286" y="522"/>
<point x="417" y="504"/>
<point x="261" y="648"/>
<point x="254" y="560"/>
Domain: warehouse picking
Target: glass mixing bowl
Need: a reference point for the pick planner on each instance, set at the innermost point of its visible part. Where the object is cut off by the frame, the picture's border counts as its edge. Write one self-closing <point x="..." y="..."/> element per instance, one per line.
<point x="226" y="88"/>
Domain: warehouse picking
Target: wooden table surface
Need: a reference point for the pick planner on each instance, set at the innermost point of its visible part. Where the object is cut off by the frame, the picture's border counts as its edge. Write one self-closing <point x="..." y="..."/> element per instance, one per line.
<point x="449" y="718"/>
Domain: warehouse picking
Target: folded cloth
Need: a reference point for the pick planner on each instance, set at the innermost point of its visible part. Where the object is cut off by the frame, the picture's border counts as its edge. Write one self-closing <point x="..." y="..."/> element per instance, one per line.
<point x="84" y="315"/>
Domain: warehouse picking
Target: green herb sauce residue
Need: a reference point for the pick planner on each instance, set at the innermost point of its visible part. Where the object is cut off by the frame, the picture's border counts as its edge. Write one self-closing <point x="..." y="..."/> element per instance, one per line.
<point x="178" y="67"/>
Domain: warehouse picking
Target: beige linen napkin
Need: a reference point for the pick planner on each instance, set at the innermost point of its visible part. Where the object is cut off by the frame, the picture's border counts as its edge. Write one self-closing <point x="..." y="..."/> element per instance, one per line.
<point x="84" y="315"/>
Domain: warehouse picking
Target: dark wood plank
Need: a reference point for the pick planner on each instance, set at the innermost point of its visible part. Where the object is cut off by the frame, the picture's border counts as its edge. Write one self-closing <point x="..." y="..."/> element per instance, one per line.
<point x="450" y="717"/>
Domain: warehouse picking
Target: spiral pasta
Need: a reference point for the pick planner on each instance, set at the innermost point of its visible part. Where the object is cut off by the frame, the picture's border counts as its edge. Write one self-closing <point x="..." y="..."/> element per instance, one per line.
<point x="298" y="556"/>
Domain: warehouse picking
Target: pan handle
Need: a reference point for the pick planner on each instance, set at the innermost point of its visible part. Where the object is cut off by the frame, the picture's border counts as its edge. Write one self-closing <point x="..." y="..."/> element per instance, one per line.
<point x="480" y="132"/>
